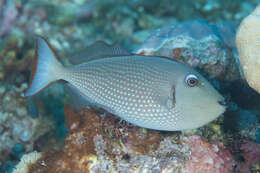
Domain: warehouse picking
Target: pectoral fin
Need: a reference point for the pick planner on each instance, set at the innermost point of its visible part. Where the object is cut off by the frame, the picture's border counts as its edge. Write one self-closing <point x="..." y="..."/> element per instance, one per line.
<point x="166" y="96"/>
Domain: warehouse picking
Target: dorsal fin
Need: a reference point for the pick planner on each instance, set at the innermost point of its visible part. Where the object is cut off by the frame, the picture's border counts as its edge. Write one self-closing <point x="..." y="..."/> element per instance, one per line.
<point x="97" y="50"/>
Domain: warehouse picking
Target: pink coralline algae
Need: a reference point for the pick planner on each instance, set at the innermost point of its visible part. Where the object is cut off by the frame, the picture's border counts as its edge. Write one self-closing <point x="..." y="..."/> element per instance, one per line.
<point x="208" y="158"/>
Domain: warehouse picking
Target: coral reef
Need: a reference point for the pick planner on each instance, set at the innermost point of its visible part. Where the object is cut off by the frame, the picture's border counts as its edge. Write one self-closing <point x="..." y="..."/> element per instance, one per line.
<point x="247" y="40"/>
<point x="131" y="21"/>
<point x="16" y="125"/>
<point x="10" y="13"/>
<point x="244" y="123"/>
<point x="251" y="154"/>
<point x="14" y="54"/>
<point x="209" y="48"/>
<point x="39" y="16"/>
<point x="105" y="144"/>
<point x="90" y="139"/>
<point x="248" y="125"/>
<point x="26" y="160"/>
<point x="206" y="157"/>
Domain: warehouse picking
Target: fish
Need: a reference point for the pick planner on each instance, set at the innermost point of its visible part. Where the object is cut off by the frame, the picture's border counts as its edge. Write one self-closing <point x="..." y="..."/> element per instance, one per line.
<point x="148" y="91"/>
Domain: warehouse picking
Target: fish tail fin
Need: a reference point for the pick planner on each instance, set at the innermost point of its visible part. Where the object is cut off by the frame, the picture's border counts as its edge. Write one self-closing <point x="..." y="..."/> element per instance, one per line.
<point x="46" y="68"/>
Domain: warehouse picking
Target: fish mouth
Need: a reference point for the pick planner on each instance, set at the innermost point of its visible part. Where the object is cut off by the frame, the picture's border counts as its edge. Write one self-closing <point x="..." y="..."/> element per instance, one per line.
<point x="223" y="102"/>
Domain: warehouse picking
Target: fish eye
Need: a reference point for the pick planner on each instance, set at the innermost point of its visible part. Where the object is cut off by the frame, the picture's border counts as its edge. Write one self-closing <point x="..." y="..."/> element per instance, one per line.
<point x="191" y="80"/>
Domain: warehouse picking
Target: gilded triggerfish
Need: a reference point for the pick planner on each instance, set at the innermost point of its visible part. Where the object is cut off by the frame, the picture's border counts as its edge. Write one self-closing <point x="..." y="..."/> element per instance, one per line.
<point x="147" y="91"/>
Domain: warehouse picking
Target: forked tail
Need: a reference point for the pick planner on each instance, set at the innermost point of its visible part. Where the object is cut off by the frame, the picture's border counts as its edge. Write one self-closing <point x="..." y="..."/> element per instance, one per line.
<point x="46" y="69"/>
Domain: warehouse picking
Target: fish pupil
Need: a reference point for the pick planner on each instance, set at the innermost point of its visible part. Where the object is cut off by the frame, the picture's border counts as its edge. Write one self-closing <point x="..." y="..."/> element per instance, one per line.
<point x="191" y="80"/>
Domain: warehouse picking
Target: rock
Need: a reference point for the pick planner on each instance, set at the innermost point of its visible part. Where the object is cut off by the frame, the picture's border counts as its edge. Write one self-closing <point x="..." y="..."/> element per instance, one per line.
<point x="247" y="41"/>
<point x="209" y="48"/>
<point x="106" y="144"/>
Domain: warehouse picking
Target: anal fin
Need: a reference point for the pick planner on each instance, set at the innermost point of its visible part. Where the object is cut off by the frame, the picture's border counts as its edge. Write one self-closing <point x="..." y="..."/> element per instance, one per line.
<point x="77" y="99"/>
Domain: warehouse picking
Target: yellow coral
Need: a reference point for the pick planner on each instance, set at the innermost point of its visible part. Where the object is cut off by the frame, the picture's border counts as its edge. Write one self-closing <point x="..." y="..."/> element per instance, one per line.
<point x="248" y="45"/>
<point x="87" y="162"/>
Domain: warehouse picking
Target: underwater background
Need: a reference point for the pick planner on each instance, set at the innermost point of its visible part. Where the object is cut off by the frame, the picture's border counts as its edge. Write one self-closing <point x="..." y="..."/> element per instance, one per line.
<point x="198" y="33"/>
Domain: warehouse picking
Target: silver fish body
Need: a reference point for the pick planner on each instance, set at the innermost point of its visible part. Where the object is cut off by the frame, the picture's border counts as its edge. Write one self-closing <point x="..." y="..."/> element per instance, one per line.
<point x="147" y="91"/>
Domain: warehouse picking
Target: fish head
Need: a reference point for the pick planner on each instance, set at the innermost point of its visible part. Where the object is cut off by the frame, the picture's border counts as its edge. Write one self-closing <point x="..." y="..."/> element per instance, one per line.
<point x="196" y="100"/>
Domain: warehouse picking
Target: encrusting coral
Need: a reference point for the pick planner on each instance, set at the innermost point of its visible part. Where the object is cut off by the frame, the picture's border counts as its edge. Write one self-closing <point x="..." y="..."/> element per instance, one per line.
<point x="99" y="143"/>
<point x="248" y="45"/>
